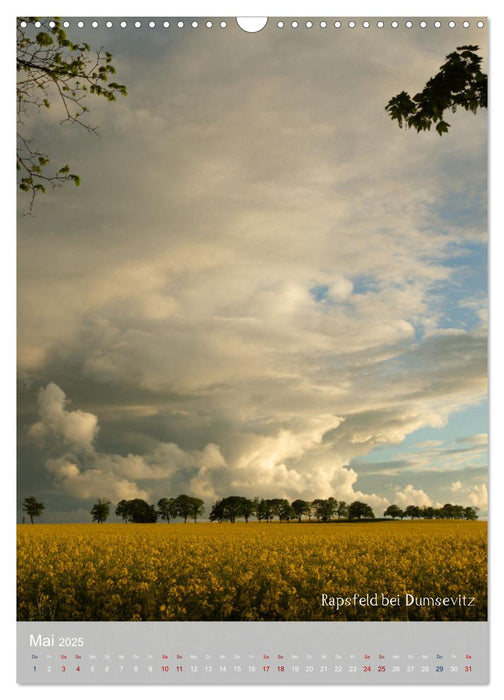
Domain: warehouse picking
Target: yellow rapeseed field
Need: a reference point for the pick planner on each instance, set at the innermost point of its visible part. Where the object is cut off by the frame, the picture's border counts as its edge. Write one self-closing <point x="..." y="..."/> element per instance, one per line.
<point x="249" y="571"/>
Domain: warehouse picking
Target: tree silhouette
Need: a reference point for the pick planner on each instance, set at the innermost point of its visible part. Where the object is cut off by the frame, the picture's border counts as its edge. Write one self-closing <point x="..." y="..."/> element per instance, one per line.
<point x="459" y="83"/>
<point x="123" y="510"/>
<point x="470" y="513"/>
<point x="342" y="510"/>
<point x="166" y="509"/>
<point x="428" y="512"/>
<point x="264" y="510"/>
<point x="136" y="510"/>
<point x="412" y="512"/>
<point x="232" y="507"/>
<point x="197" y="508"/>
<point x="248" y="508"/>
<point x="301" y="508"/>
<point x="188" y="507"/>
<point x="325" y="508"/>
<point x="51" y="68"/>
<point x="394" y="512"/>
<point x="33" y="507"/>
<point x="100" y="511"/>
<point x="359" y="510"/>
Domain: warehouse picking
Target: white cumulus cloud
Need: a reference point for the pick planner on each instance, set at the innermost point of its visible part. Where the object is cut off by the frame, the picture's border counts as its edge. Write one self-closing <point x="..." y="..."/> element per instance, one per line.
<point x="410" y="496"/>
<point x="76" y="429"/>
<point x="476" y="495"/>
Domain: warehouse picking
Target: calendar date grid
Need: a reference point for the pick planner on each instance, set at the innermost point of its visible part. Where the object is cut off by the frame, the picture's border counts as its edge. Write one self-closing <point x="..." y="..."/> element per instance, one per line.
<point x="252" y="663"/>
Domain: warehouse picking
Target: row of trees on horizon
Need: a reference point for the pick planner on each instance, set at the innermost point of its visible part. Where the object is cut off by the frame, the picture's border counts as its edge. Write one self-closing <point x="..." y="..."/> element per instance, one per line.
<point x="232" y="508"/>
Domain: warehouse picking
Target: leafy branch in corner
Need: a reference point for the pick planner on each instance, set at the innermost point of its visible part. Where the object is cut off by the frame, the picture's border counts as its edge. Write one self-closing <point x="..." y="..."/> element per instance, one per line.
<point x="52" y="68"/>
<point x="459" y="83"/>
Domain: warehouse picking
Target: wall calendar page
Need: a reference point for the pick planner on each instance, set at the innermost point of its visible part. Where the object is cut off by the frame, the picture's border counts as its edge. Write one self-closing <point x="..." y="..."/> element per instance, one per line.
<point x="252" y="350"/>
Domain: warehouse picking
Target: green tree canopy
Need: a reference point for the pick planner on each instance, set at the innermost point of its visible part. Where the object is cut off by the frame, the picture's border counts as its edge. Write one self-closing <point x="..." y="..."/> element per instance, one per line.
<point x="53" y="69"/>
<point x="460" y="82"/>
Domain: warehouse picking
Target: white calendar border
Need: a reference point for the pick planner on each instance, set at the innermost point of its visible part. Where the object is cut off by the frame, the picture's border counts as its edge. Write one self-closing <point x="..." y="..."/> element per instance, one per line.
<point x="7" y="256"/>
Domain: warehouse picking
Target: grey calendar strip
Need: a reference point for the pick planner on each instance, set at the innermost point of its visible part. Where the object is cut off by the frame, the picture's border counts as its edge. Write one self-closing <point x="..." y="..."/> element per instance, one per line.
<point x="252" y="652"/>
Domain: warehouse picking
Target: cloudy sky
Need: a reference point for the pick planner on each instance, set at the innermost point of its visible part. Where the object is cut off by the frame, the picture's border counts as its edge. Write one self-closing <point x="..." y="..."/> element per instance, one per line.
<point x="263" y="286"/>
